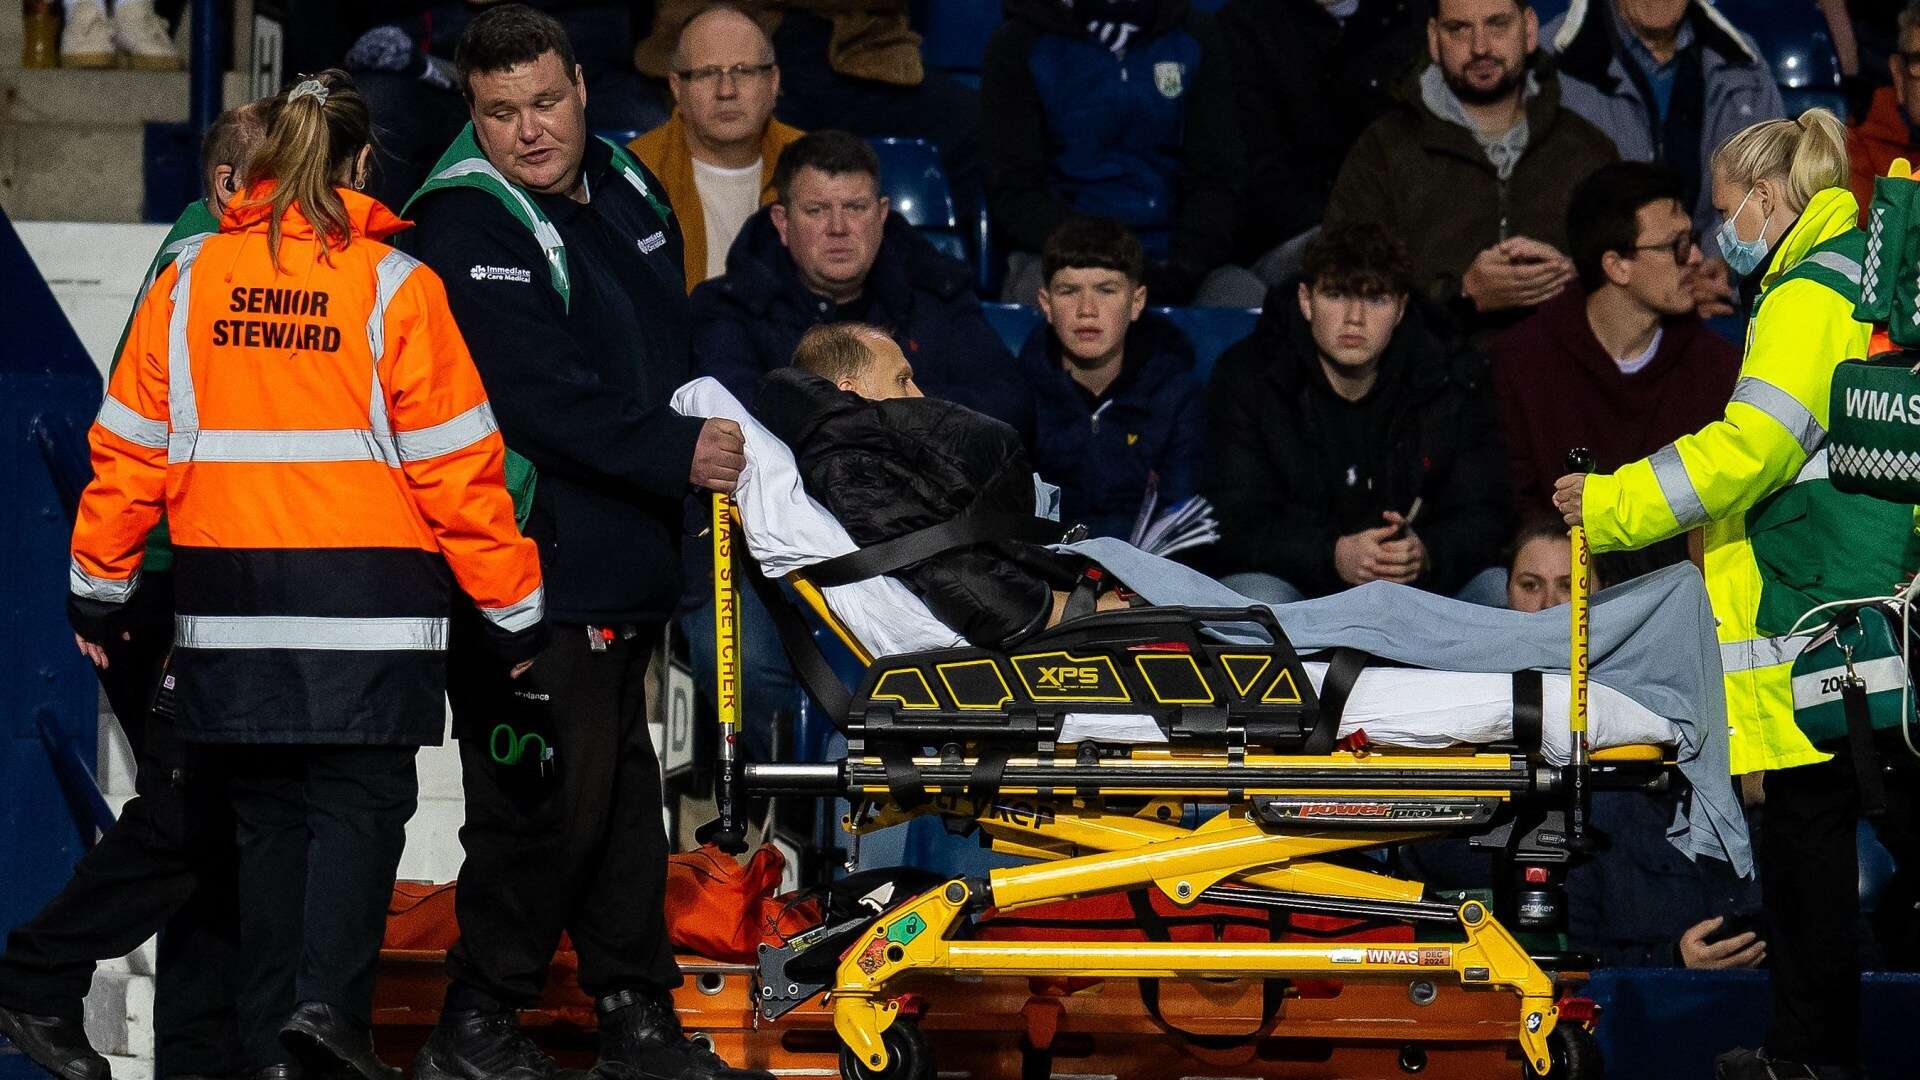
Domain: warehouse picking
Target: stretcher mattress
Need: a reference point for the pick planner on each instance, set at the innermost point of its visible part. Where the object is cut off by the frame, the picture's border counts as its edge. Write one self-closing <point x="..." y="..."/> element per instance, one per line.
<point x="786" y="530"/>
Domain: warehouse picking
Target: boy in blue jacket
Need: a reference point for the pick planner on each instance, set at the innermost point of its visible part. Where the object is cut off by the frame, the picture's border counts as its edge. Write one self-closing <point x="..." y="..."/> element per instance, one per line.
<point x="1116" y="402"/>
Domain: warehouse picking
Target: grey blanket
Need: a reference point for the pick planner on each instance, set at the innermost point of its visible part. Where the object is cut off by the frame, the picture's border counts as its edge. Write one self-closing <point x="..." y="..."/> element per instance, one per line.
<point x="1651" y="639"/>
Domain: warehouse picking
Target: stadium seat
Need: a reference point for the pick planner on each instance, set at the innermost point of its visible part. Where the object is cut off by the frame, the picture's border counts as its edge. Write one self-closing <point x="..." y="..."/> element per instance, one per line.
<point x="1211" y="330"/>
<point x="1013" y="322"/>
<point x="912" y="177"/>
<point x="1794" y="39"/>
<point x="618" y="137"/>
<point x="955" y="33"/>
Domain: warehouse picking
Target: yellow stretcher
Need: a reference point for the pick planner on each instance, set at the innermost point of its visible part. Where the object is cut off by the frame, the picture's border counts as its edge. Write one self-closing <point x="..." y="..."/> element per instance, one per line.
<point x="971" y="734"/>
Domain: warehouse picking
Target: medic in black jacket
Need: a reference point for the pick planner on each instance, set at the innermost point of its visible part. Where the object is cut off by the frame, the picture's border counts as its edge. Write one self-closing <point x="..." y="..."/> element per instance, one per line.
<point x="562" y="264"/>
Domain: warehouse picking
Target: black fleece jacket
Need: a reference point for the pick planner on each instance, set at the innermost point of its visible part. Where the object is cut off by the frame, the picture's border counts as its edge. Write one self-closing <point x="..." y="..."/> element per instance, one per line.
<point x="581" y="390"/>
<point x="889" y="468"/>
<point x="1279" y="446"/>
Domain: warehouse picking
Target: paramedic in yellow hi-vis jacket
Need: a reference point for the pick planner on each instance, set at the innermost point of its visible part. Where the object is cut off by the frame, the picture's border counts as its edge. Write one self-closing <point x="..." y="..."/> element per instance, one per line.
<point x="1778" y="540"/>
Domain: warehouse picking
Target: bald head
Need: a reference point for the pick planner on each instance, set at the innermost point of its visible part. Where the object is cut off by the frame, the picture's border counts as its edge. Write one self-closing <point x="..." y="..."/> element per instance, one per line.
<point x="724" y="81"/>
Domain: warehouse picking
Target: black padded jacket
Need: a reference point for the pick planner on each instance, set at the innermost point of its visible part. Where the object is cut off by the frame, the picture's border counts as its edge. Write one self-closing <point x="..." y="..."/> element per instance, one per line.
<point x="889" y="468"/>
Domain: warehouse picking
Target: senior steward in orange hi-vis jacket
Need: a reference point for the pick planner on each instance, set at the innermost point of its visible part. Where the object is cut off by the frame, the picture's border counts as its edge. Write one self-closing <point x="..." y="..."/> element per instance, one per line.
<point x="322" y="445"/>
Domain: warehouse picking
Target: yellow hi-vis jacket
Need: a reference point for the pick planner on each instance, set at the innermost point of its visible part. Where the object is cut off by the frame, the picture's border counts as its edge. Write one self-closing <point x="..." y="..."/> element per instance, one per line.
<point x="1771" y="441"/>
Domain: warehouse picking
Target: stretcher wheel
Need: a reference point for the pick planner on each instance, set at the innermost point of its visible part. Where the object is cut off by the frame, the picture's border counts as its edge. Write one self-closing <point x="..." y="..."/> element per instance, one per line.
<point x="1574" y="1054"/>
<point x="908" y="1056"/>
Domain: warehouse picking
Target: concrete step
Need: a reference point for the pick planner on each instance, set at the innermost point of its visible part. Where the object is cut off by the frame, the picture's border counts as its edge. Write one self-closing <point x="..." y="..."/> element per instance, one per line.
<point x="72" y="142"/>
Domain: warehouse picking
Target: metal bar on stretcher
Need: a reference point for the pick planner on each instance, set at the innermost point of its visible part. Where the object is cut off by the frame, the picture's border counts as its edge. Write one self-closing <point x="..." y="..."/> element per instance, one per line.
<point x="731" y="832"/>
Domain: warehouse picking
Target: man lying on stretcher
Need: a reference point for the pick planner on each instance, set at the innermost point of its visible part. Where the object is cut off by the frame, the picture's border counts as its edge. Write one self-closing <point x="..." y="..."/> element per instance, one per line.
<point x="887" y="462"/>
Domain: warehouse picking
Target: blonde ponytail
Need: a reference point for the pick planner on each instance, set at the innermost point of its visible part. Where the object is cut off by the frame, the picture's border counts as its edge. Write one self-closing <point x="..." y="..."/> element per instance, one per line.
<point x="313" y="140"/>
<point x="1806" y="156"/>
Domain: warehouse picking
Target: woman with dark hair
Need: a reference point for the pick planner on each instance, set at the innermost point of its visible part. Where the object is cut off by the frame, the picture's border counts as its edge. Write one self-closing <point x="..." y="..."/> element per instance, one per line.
<point x="294" y="396"/>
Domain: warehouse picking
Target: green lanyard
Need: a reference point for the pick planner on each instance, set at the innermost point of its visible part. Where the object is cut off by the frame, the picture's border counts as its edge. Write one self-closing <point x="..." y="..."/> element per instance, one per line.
<point x="508" y="747"/>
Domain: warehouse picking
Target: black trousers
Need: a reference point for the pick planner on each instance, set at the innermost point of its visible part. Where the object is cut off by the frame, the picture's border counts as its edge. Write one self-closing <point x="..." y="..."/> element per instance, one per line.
<point x="580" y="847"/>
<point x="320" y="833"/>
<point x="1809" y="873"/>
<point x="166" y="866"/>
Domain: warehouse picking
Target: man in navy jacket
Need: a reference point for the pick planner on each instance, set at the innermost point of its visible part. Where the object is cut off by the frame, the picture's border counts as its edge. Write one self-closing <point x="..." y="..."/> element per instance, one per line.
<point x="1117" y="404"/>
<point x="829" y="250"/>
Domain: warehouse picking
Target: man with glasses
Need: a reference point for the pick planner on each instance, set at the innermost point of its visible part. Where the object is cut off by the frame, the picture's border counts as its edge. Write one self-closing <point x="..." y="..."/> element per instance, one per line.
<point x="1345" y="442"/>
<point x="1888" y="129"/>
<point x="1622" y="365"/>
<point x="715" y="156"/>
<point x="1668" y="81"/>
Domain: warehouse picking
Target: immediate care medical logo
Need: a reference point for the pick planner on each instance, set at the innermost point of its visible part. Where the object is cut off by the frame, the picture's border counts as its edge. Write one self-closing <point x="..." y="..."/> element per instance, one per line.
<point x="514" y="274"/>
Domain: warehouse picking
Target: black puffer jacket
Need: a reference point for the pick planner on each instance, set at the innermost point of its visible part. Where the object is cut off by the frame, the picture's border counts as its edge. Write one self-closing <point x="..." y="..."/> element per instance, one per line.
<point x="889" y="468"/>
<point x="1273" y="466"/>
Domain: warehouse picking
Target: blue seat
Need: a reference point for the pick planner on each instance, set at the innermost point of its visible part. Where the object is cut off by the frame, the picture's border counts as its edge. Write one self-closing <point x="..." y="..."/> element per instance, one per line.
<point x="1013" y="322"/>
<point x="1212" y="331"/>
<point x="913" y="179"/>
<point x="619" y="137"/>
<point x="955" y="32"/>
<point x="1795" y="41"/>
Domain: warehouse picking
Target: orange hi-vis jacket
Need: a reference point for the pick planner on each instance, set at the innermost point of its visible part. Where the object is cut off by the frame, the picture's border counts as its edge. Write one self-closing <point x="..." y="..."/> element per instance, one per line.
<point x="324" y="451"/>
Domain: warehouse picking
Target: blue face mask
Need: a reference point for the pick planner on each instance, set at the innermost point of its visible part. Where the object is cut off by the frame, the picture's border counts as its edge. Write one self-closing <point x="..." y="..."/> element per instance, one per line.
<point x="1743" y="256"/>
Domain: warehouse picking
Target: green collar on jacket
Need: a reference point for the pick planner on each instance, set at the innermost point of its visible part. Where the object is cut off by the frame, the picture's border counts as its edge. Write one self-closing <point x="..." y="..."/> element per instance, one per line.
<point x="466" y="165"/>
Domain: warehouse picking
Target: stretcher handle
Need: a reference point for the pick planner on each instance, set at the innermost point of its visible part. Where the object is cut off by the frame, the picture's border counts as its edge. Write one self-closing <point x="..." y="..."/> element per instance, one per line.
<point x="1579" y="792"/>
<point x="729" y="831"/>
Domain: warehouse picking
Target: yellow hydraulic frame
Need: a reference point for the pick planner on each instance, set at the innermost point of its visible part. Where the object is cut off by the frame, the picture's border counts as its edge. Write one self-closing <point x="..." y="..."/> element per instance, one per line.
<point x="1087" y="850"/>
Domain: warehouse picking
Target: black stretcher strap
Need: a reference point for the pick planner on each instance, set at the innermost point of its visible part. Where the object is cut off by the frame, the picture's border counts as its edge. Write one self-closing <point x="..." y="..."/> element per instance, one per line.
<point x="1272" y="991"/>
<point x="1343" y="670"/>
<point x="903" y="551"/>
<point x="809" y="663"/>
<point x="1528" y="712"/>
<point x="1869" y="772"/>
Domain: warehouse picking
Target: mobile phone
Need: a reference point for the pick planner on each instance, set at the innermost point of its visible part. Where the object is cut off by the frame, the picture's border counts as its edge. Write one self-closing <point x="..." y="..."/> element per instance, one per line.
<point x="1739" y="923"/>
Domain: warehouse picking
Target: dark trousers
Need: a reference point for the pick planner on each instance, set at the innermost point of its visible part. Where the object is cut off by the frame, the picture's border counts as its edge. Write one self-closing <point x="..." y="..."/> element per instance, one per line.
<point x="320" y="833"/>
<point x="165" y="866"/>
<point x="1810" y="872"/>
<point x="579" y="847"/>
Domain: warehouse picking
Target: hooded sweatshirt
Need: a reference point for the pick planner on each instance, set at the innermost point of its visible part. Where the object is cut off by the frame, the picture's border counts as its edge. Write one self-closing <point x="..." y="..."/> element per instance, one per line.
<point x="1291" y="466"/>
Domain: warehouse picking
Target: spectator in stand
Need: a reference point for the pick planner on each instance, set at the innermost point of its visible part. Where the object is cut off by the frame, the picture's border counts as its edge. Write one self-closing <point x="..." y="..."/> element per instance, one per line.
<point x="1888" y="130"/>
<point x="1121" y="109"/>
<point x="1116" y="403"/>
<point x="1346" y="443"/>
<point x="1474" y="165"/>
<point x="715" y="156"/>
<point x="830" y="250"/>
<point x="851" y="65"/>
<point x="1668" y="81"/>
<point x="1621" y="365"/>
<point x="1309" y="76"/>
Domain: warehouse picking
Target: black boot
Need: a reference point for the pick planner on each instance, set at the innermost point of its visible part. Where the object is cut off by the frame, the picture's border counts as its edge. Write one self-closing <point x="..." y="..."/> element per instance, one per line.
<point x="483" y="1044"/>
<point x="326" y="1041"/>
<point x="640" y="1039"/>
<point x="1746" y="1064"/>
<point x="56" y="1045"/>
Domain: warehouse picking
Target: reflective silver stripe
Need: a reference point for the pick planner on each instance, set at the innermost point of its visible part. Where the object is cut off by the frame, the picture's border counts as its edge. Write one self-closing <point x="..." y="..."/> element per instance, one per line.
<point x="1837" y="263"/>
<point x="181" y="407"/>
<point x="521" y="614"/>
<point x="456" y="434"/>
<point x="174" y="249"/>
<point x="109" y="590"/>
<point x="346" y="444"/>
<point x="1783" y="407"/>
<point x="392" y="272"/>
<point x="388" y="277"/>
<point x="1814" y="469"/>
<point x="1759" y="653"/>
<point x="1678" y="487"/>
<point x="544" y="233"/>
<point x="308" y="632"/>
<point x="131" y="426"/>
